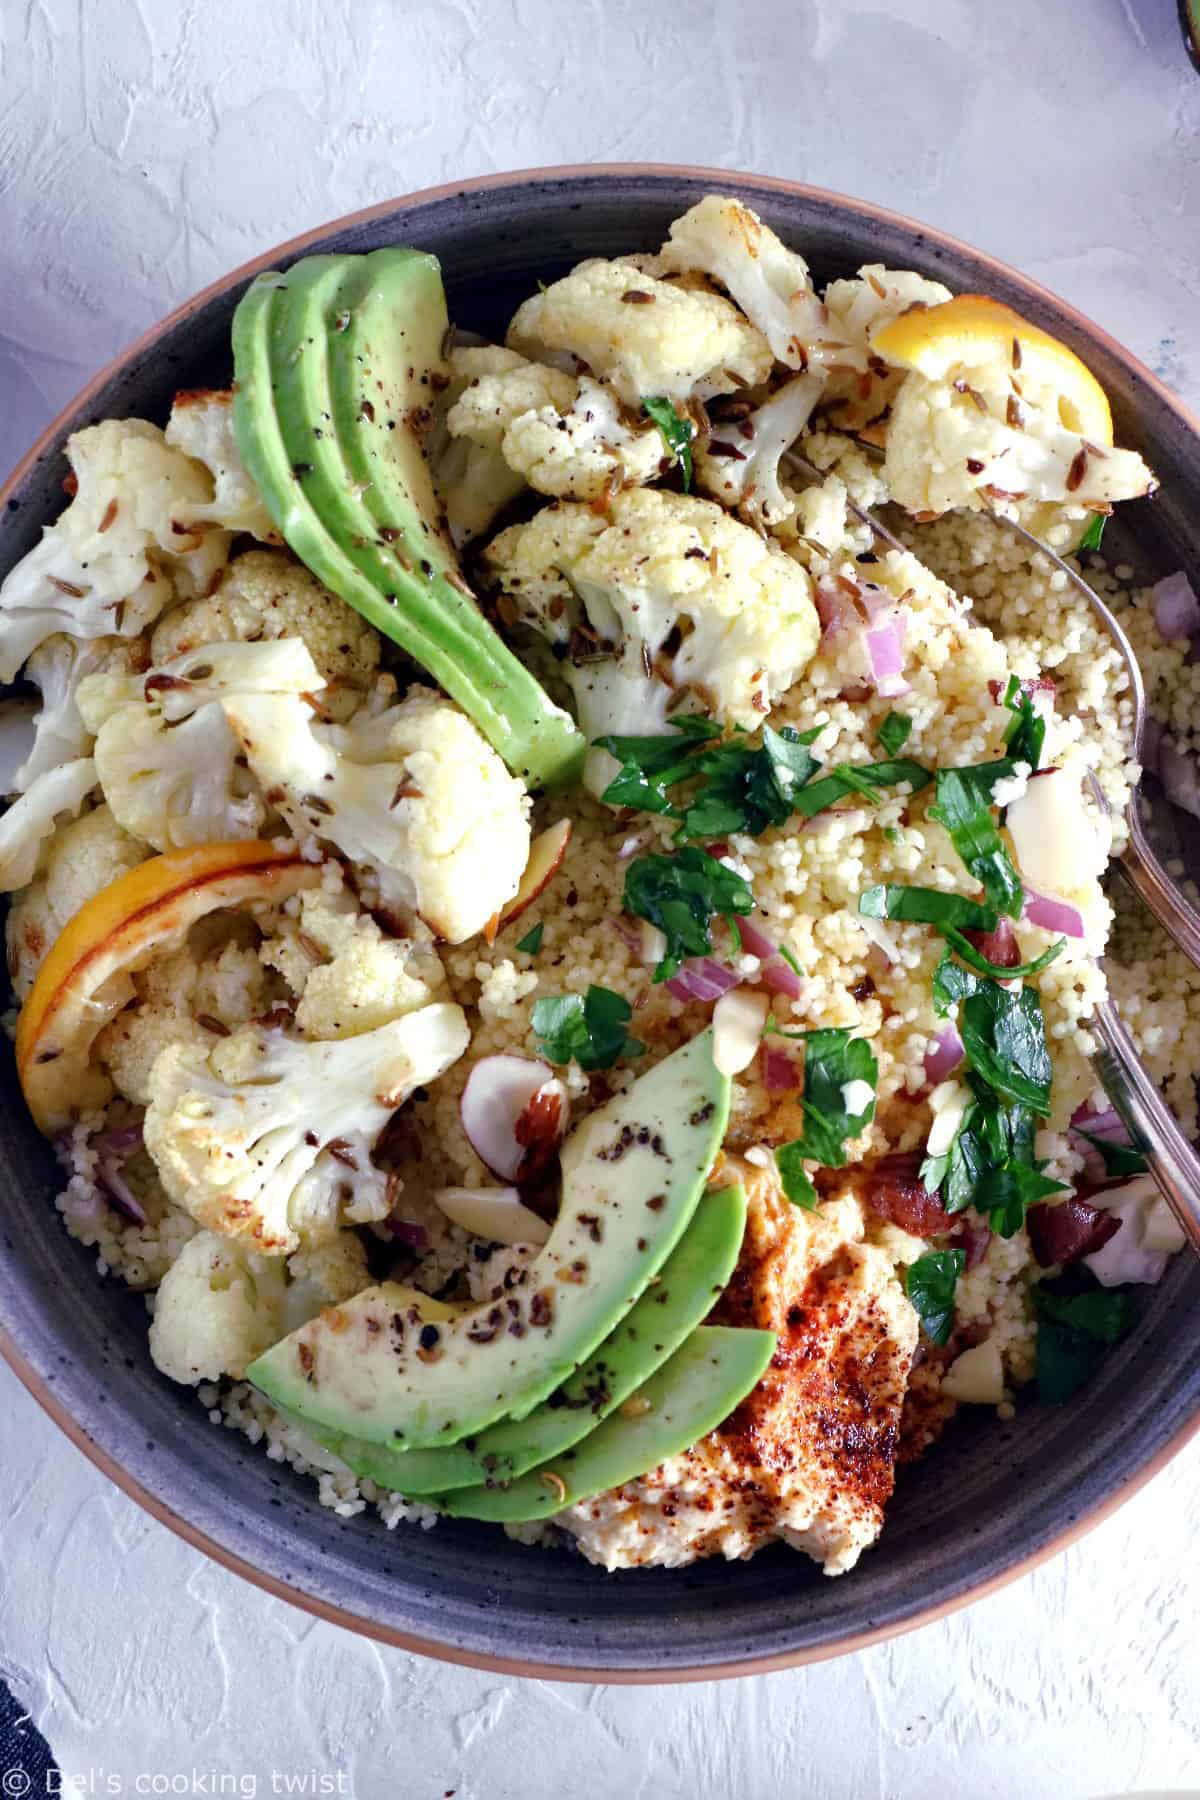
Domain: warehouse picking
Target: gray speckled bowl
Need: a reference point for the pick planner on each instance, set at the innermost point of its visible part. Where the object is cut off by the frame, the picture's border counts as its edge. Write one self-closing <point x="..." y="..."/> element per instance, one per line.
<point x="988" y="1502"/>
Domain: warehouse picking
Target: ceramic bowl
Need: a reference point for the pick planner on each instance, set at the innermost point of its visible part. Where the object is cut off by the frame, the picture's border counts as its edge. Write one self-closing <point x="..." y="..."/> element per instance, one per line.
<point x="992" y="1499"/>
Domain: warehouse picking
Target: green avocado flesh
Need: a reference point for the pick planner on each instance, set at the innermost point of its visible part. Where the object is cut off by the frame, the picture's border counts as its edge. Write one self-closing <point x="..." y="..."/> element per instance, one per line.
<point x="633" y="1173"/>
<point x="671" y="1307"/>
<point x="335" y="365"/>
<point x="687" y="1398"/>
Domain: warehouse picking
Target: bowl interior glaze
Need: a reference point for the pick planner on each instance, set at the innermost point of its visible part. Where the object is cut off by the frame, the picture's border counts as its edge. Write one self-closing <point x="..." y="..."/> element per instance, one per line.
<point x="989" y="1499"/>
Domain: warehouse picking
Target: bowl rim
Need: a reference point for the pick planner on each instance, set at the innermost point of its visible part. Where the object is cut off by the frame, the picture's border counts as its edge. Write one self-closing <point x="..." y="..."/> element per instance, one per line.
<point x="578" y="174"/>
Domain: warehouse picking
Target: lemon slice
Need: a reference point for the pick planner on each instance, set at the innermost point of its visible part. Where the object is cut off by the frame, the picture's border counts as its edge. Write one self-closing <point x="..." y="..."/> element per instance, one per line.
<point x="85" y="979"/>
<point x="942" y="342"/>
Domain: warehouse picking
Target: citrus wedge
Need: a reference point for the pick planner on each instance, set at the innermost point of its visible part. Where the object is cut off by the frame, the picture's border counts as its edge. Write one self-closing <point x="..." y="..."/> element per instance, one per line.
<point x="971" y="330"/>
<point x="85" y="979"/>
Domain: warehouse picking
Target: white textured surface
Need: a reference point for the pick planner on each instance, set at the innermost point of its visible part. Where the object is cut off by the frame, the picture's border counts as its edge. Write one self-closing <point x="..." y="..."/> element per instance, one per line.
<point x="145" y="148"/>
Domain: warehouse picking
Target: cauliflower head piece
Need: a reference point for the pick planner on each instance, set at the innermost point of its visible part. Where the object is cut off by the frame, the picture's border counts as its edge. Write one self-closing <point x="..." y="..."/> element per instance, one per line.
<point x="201" y="425"/>
<point x="57" y="667"/>
<point x="861" y="387"/>
<point x="583" y="451"/>
<point x="267" y="594"/>
<point x="740" y="467"/>
<point x="414" y="793"/>
<point x="166" y="759"/>
<point x="266" y="1138"/>
<point x="120" y="552"/>
<point x="347" y="975"/>
<point x="218" y="1307"/>
<point x="31" y="819"/>
<point x="680" y="343"/>
<point x="664" y="598"/>
<point x="82" y="858"/>
<point x="472" y="481"/>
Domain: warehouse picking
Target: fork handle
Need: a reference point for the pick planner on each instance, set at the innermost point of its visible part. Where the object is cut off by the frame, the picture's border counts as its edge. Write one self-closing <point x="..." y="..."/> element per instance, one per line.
<point x="1152" y="1125"/>
<point x="1145" y="874"/>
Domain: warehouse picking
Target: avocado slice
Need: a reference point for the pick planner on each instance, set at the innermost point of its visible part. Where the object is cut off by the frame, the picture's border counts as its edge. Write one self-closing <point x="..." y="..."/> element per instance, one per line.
<point x="345" y="478"/>
<point x="687" y="1398"/>
<point x="633" y="1173"/>
<point x="692" y="1276"/>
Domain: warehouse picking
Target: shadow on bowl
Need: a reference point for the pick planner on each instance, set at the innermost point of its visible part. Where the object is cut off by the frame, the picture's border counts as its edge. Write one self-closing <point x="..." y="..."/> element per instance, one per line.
<point x="991" y="1499"/>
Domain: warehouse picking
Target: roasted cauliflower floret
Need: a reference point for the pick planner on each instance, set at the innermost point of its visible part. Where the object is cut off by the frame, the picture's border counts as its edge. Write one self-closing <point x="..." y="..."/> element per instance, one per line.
<point x="666" y="597"/>
<point x="184" y="999"/>
<point x="323" y="1275"/>
<point x="165" y="757"/>
<point x="500" y="387"/>
<point x="30" y="821"/>
<point x="81" y="859"/>
<point x="858" y="393"/>
<point x="268" y="594"/>
<point x="472" y="481"/>
<point x="348" y="976"/>
<point x="582" y="451"/>
<point x="57" y="667"/>
<point x="263" y="1137"/>
<point x="119" y="553"/>
<point x="671" y="341"/>
<point x="201" y="425"/>
<point x="415" y="794"/>
<point x="218" y="1307"/>
<point x="740" y="466"/>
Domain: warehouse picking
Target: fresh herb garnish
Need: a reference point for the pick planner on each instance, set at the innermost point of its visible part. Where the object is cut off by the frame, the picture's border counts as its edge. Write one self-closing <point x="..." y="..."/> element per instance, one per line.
<point x="1075" y="1322"/>
<point x="930" y="1283"/>
<point x="748" y="790"/>
<point x="650" y="765"/>
<point x="963" y="806"/>
<point x="832" y="1061"/>
<point x="585" y="1028"/>
<point x="859" y="778"/>
<point x="1119" y="1159"/>
<point x="894" y="732"/>
<point x="1004" y="1039"/>
<point x="681" y="894"/>
<point x="676" y="433"/>
<point x="976" y="960"/>
<point x="925" y="906"/>
<point x="531" y="943"/>
<point x="1095" y="531"/>
<point x="990" y="1165"/>
<point x="1026" y="732"/>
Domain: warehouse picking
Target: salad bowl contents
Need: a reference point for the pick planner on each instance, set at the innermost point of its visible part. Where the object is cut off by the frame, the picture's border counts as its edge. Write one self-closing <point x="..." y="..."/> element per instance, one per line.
<point x="559" y="966"/>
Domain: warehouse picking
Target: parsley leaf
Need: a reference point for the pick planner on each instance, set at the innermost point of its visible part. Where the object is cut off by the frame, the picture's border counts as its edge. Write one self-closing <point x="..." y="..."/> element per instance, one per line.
<point x="1004" y="1039"/>
<point x="894" y="732"/>
<point x="531" y="943"/>
<point x="990" y="1164"/>
<point x="676" y="433"/>
<point x="585" y="1028"/>
<point x="681" y="894"/>
<point x="926" y="906"/>
<point x="930" y="1283"/>
<point x="950" y="985"/>
<point x="1027" y="729"/>
<point x="747" y="790"/>
<point x="832" y="1061"/>
<point x="1095" y="531"/>
<point x="859" y="778"/>
<point x="1119" y="1159"/>
<point x="962" y="808"/>
<point x="1074" y="1322"/>
<point x="650" y="765"/>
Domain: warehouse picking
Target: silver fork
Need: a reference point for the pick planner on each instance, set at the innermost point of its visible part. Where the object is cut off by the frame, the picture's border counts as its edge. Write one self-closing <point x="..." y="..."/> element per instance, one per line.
<point x="1170" y="1158"/>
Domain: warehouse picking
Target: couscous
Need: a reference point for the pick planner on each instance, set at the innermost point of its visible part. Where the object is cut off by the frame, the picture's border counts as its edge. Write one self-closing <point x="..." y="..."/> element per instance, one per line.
<point x="331" y="975"/>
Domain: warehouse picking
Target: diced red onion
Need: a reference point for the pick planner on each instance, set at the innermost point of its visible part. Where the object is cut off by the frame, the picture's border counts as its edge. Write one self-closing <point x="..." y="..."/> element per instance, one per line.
<point x="117" y="1190"/>
<point x="1107" y="1124"/>
<point x="832" y="606"/>
<point x="756" y="941"/>
<point x="972" y="1237"/>
<point x="1053" y="915"/>
<point x="999" y="946"/>
<point x="943" y="1055"/>
<point x="779" y="977"/>
<point x="780" y="1074"/>
<point x="1180" y="778"/>
<point x="885" y="647"/>
<point x="1176" y="606"/>
<point x="630" y="934"/>
<point x="701" y="978"/>
<point x="121" y="1141"/>
<point x="406" y="1232"/>
<point x="1068" y="1231"/>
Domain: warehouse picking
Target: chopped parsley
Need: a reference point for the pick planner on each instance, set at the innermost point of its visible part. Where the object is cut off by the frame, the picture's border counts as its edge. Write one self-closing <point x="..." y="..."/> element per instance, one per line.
<point x="650" y="765"/>
<point x="926" y="906"/>
<point x="1095" y="531"/>
<point x="585" y="1028"/>
<point x="681" y="894"/>
<point x="894" y="732"/>
<point x="859" y="778"/>
<point x="963" y="806"/>
<point x="930" y="1283"/>
<point x="748" y="790"/>
<point x="1027" y="729"/>
<point x="676" y="433"/>
<point x="1120" y="1160"/>
<point x="833" y="1061"/>
<point x="531" y="943"/>
<point x="1004" y="1040"/>
<point x="1077" y="1320"/>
